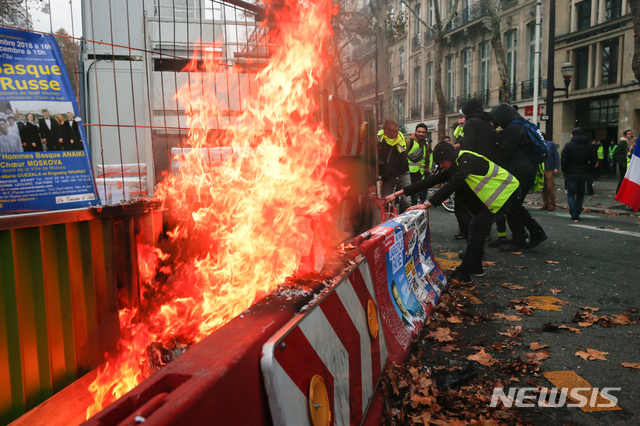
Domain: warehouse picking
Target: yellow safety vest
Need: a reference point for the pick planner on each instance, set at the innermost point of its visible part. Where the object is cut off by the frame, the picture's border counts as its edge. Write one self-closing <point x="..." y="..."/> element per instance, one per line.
<point x="417" y="162"/>
<point x="493" y="189"/>
<point x="601" y="153"/>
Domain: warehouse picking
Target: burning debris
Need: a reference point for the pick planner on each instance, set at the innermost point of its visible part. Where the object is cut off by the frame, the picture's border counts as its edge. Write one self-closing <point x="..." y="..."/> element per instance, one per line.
<point x="240" y="225"/>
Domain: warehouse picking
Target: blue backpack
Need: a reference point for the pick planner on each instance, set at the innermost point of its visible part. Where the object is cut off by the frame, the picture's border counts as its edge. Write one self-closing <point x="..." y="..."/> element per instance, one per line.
<point x="538" y="150"/>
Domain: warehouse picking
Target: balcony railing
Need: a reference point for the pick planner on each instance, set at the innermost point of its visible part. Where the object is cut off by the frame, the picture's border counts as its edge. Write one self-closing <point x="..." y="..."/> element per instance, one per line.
<point x="428" y="36"/>
<point x="365" y="90"/>
<point x="513" y="92"/>
<point x="414" y="112"/>
<point x="482" y="96"/>
<point x="429" y="109"/>
<point x="468" y="14"/>
<point x="462" y="99"/>
<point x="526" y="90"/>
<point x="415" y="42"/>
<point x="451" y="105"/>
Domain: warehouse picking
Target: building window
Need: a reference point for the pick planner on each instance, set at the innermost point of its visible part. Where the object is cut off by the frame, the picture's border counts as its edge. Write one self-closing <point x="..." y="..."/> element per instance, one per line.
<point x="450" y="61"/>
<point x="610" y="61"/>
<point x="485" y="63"/>
<point x="512" y="55"/>
<point x="416" y="86"/>
<point x="184" y="9"/>
<point x="430" y="82"/>
<point x="597" y="112"/>
<point x="613" y="9"/>
<point x="532" y="51"/>
<point x="584" y="14"/>
<point x="399" y="100"/>
<point x="466" y="73"/>
<point x="402" y="63"/>
<point x="582" y="67"/>
<point x="430" y="13"/>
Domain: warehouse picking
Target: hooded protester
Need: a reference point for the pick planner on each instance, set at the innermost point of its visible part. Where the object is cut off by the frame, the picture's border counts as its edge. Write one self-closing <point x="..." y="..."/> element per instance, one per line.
<point x="513" y="153"/>
<point x="479" y="135"/>
<point x="578" y="159"/>
<point x="482" y="187"/>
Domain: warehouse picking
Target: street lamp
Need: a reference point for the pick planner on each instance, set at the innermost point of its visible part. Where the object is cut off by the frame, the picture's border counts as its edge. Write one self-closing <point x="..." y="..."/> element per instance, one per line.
<point x="567" y="73"/>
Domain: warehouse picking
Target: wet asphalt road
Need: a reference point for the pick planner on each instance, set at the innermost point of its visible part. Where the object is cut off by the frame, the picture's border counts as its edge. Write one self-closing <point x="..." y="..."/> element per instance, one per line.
<point x="598" y="265"/>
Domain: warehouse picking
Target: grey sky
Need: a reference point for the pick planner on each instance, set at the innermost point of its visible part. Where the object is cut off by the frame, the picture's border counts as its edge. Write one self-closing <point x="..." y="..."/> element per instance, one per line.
<point x="60" y="16"/>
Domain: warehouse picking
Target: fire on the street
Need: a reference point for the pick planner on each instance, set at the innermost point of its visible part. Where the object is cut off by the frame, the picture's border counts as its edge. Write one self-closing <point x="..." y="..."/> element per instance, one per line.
<point x="244" y="223"/>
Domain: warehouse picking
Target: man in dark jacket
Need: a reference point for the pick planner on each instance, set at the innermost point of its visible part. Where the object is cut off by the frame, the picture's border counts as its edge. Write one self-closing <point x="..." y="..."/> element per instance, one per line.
<point x="393" y="166"/>
<point x="513" y="153"/>
<point x="578" y="159"/>
<point x="481" y="186"/>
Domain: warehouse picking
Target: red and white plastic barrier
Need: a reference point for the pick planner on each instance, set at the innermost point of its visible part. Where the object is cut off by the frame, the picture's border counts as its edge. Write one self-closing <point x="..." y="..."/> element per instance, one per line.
<point x="310" y="360"/>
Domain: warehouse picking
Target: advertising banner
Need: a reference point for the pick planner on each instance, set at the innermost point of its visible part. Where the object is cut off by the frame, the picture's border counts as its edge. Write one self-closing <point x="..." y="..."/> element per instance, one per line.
<point x="407" y="279"/>
<point x="44" y="155"/>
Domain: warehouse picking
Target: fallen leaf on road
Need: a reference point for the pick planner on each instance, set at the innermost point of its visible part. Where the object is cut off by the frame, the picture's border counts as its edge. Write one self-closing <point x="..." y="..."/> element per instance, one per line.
<point x="591" y="354"/>
<point x="512" y="332"/>
<point x="574" y="329"/>
<point x="454" y="320"/>
<point x="537" y="356"/>
<point x="535" y="346"/>
<point x="522" y="267"/>
<point x="512" y="286"/>
<point x="629" y="365"/>
<point x="547" y="326"/>
<point x="555" y="291"/>
<point x="633" y="310"/>
<point x="441" y="334"/>
<point x="516" y="252"/>
<point x="538" y="283"/>
<point x="587" y="238"/>
<point x="488" y="263"/>
<point x="589" y="308"/>
<point x="449" y="348"/>
<point x="621" y="319"/>
<point x="421" y="400"/>
<point x="483" y="358"/>
<point x="551" y="261"/>
<point x="508" y="317"/>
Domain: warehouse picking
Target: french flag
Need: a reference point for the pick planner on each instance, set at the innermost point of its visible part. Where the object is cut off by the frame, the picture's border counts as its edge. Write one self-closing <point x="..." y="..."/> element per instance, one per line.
<point x="629" y="192"/>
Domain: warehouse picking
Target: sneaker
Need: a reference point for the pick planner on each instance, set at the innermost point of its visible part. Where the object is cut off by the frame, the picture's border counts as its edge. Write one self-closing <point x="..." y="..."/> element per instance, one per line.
<point x="536" y="239"/>
<point x="459" y="236"/>
<point x="478" y="273"/>
<point x="512" y="247"/>
<point x="458" y="275"/>
<point x="501" y="241"/>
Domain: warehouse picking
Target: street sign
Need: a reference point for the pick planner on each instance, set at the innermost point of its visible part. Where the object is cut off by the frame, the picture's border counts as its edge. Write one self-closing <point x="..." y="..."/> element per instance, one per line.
<point x="544" y="117"/>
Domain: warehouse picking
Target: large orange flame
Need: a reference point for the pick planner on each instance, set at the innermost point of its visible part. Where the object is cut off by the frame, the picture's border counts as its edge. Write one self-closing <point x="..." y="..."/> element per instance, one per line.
<point x="245" y="222"/>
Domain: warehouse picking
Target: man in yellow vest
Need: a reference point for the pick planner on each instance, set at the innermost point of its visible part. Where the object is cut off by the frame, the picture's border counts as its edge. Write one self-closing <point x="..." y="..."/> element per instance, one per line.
<point x="393" y="167"/>
<point x="420" y="159"/>
<point x="481" y="186"/>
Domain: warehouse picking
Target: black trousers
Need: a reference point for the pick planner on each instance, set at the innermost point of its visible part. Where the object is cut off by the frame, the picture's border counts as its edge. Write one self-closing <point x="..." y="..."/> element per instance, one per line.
<point x="479" y="228"/>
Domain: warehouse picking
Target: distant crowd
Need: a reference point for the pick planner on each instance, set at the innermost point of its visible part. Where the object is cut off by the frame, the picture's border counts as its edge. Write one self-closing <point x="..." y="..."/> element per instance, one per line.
<point x="496" y="159"/>
<point x="39" y="133"/>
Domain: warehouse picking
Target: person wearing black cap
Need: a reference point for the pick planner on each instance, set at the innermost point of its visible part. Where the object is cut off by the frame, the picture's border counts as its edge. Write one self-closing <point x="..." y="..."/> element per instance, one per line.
<point x="578" y="159"/>
<point x="481" y="186"/>
<point x="513" y="153"/>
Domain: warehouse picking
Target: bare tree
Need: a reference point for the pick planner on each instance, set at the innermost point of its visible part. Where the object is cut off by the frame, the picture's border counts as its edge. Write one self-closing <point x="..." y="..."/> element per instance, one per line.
<point x="439" y="31"/>
<point x="14" y="12"/>
<point x="635" y="12"/>
<point x="493" y="8"/>
<point x="70" y="50"/>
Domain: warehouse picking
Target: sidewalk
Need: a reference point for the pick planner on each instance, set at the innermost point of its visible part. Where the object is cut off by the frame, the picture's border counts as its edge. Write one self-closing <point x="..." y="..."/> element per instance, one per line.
<point x="603" y="199"/>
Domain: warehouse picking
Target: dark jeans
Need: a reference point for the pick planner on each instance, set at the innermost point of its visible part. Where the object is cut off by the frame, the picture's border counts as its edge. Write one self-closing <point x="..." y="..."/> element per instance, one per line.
<point x="479" y="228"/>
<point x="576" y="184"/>
<point x="623" y="171"/>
